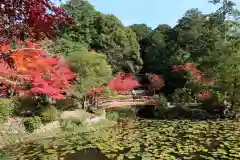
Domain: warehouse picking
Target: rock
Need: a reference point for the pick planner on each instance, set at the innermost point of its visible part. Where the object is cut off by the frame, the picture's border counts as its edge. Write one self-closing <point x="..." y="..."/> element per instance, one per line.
<point x="78" y="114"/>
<point x="95" y="119"/>
<point x="82" y="116"/>
<point x="48" y="127"/>
<point x="13" y="125"/>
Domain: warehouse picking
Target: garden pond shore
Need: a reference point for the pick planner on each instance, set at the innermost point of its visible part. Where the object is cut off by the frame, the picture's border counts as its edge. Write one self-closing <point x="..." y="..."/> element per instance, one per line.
<point x="138" y="138"/>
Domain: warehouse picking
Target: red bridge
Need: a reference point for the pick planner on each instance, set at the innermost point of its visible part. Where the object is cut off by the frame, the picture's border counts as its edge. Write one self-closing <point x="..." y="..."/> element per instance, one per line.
<point x="125" y="101"/>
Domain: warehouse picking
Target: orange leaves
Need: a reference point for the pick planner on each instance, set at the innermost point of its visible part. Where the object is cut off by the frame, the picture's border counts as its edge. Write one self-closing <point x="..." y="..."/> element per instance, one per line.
<point x="30" y="64"/>
<point x="27" y="58"/>
<point x="5" y="48"/>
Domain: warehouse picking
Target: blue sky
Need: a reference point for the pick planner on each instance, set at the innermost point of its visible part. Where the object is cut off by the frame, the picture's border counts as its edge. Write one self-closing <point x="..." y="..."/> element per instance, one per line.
<point x="152" y="12"/>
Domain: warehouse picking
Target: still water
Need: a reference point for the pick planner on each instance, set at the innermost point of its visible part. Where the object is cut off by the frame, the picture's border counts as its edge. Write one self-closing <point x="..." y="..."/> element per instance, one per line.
<point x="141" y="139"/>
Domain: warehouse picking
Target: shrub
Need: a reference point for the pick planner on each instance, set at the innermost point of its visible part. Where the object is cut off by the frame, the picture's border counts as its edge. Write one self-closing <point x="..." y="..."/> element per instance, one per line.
<point x="49" y="114"/>
<point x="183" y="95"/>
<point x="162" y="108"/>
<point x="161" y="100"/>
<point x="99" y="111"/>
<point x="3" y="156"/>
<point x="67" y="103"/>
<point x="32" y="123"/>
<point x="26" y="106"/>
<point x="108" y="92"/>
<point x="71" y="125"/>
<point x="112" y="115"/>
<point x="6" y="108"/>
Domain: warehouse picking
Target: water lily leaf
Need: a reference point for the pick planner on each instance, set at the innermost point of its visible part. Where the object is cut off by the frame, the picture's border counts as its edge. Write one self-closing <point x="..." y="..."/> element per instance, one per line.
<point x="120" y="157"/>
<point x="50" y="151"/>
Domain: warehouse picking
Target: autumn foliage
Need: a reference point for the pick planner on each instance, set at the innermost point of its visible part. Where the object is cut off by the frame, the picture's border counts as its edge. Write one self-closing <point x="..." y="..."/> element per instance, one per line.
<point x="36" y="18"/>
<point x="123" y="83"/>
<point x="28" y="70"/>
<point x="156" y="81"/>
<point x="194" y="74"/>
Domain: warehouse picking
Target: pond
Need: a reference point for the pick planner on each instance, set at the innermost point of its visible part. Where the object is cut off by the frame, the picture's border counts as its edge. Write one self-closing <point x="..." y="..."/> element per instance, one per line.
<point x="141" y="139"/>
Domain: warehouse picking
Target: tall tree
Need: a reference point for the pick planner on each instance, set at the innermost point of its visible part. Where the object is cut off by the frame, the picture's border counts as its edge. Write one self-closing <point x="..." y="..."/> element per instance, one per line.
<point x="103" y="33"/>
<point x="223" y="12"/>
<point x="156" y="54"/>
<point x="142" y="32"/>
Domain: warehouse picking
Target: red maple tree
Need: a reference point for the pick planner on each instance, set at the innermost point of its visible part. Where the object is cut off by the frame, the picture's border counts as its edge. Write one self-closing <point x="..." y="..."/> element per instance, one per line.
<point x="28" y="70"/>
<point x="36" y="18"/>
<point x="196" y="76"/>
<point x="123" y="83"/>
<point x="156" y="81"/>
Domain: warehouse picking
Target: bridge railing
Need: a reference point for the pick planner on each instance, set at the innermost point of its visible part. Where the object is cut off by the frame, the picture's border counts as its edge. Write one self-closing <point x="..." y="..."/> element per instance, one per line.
<point x="101" y="100"/>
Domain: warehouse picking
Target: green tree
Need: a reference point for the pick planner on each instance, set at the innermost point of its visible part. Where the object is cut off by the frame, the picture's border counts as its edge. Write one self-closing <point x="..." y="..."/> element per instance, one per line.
<point x="102" y="33"/>
<point x="142" y="32"/>
<point x="84" y="15"/>
<point x="93" y="70"/>
<point x="223" y="12"/>
<point x="233" y="25"/>
<point x="156" y="54"/>
<point x="118" y="43"/>
<point x="227" y="72"/>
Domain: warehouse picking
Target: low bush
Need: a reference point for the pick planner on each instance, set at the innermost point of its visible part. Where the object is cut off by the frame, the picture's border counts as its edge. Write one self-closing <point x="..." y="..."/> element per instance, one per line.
<point x="32" y="123"/>
<point x="160" y="110"/>
<point x="27" y="106"/>
<point x="49" y="114"/>
<point x="71" y="125"/>
<point x="3" y="156"/>
<point x="98" y="111"/>
<point x="6" y="108"/>
<point x="182" y="96"/>
<point x="112" y="115"/>
<point x="68" y="103"/>
<point x="161" y="100"/>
